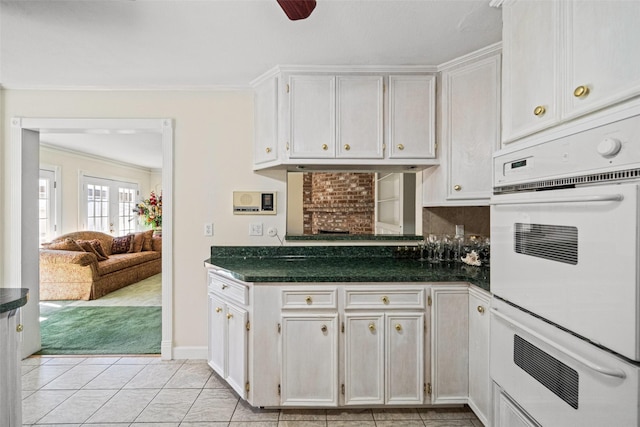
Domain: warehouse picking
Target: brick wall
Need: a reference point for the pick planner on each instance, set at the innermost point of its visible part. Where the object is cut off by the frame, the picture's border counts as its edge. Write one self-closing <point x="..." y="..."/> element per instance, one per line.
<point x="338" y="202"/>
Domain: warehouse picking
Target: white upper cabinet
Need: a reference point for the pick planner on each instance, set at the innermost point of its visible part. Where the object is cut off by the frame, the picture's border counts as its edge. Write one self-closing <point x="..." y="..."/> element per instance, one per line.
<point x="470" y="132"/>
<point x="566" y="59"/>
<point x="312" y="117"/>
<point x="359" y="117"/>
<point x="356" y="117"/>
<point x="266" y="121"/>
<point x="412" y="105"/>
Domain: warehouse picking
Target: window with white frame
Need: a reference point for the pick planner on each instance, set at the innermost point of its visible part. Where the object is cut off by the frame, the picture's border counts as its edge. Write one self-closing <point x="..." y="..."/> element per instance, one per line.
<point x="108" y="205"/>
<point x="47" y="205"/>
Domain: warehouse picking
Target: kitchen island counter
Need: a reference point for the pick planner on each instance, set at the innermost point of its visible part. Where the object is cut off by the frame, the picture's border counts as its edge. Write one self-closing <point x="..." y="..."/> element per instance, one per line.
<point x="340" y="264"/>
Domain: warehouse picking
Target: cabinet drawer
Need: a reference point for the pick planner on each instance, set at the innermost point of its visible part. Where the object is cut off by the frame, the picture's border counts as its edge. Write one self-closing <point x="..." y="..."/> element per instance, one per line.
<point x="301" y="298"/>
<point x="229" y="290"/>
<point x="391" y="298"/>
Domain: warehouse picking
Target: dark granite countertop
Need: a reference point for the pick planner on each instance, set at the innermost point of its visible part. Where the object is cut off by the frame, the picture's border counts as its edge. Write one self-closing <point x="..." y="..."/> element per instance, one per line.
<point x="12" y="298"/>
<point x="354" y="237"/>
<point x="339" y="264"/>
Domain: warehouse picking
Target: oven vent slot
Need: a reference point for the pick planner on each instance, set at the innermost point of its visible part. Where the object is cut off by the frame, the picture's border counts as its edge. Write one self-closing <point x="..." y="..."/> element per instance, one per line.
<point x="559" y="378"/>
<point x="571" y="181"/>
<point x="553" y="242"/>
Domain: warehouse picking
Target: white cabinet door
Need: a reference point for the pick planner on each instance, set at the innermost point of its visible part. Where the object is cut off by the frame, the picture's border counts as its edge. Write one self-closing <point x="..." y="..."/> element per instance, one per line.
<point x="237" y="349"/>
<point x="602" y="54"/>
<point x="227" y="352"/>
<point x="531" y="44"/>
<point x="479" y="380"/>
<point x="266" y="121"/>
<point x="364" y="359"/>
<point x="473" y="128"/>
<point x="412" y="117"/>
<point x="359" y="133"/>
<point x="312" y="115"/>
<point x="404" y="358"/>
<point x="309" y="360"/>
<point x="10" y="375"/>
<point x="470" y="128"/>
<point x="450" y="344"/>
<point x="217" y="335"/>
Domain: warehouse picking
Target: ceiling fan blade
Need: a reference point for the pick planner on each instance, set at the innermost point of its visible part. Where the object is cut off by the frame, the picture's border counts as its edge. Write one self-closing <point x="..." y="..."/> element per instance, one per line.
<point x="297" y="9"/>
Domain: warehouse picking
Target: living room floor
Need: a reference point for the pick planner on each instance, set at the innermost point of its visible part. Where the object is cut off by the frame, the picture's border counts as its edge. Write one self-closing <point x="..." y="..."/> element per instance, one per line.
<point x="149" y="392"/>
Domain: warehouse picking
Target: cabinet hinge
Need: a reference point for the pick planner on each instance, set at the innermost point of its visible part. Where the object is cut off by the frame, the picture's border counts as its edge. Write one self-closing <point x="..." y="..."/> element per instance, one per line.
<point x="287" y="86"/>
<point x="55" y="184"/>
<point x="246" y="386"/>
<point x="342" y="328"/>
<point x="342" y="388"/>
<point x="287" y="145"/>
<point x="425" y="387"/>
<point x="248" y="326"/>
<point x="428" y="388"/>
<point x="279" y="329"/>
<point x="278" y="389"/>
<point x="429" y="301"/>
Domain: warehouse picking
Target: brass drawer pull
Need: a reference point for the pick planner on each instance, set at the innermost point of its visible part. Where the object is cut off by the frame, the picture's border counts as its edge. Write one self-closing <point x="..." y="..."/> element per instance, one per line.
<point x="347" y="147"/>
<point x="372" y="327"/>
<point x="309" y="300"/>
<point x="480" y="309"/>
<point x="218" y="309"/>
<point x="400" y="147"/>
<point x="268" y="150"/>
<point x="19" y="328"/>
<point x="324" y="329"/>
<point x="539" y="111"/>
<point x="385" y="300"/>
<point x="229" y="315"/>
<point x="457" y="187"/>
<point x="325" y="147"/>
<point x="398" y="327"/>
<point x="581" y="91"/>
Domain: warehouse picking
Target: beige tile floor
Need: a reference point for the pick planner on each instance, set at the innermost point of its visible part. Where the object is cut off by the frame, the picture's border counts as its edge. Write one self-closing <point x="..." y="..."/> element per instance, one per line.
<point x="149" y="392"/>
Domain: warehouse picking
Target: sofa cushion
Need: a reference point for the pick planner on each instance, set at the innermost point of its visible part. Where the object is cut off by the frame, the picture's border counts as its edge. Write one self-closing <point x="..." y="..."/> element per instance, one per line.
<point x="67" y="244"/>
<point x="121" y="261"/>
<point x="147" y="245"/>
<point x="93" y="246"/>
<point x="138" y="240"/>
<point x="121" y="245"/>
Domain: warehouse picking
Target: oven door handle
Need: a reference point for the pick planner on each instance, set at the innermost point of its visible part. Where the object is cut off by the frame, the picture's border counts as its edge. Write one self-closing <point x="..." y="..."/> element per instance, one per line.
<point x="612" y="372"/>
<point x="601" y="198"/>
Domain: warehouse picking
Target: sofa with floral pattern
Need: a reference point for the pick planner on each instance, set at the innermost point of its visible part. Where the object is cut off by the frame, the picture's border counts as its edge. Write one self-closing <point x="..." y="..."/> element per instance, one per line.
<point x="87" y="265"/>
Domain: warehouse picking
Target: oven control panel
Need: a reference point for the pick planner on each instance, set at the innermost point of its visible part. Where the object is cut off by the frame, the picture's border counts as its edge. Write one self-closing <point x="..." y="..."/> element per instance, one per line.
<point x="604" y="149"/>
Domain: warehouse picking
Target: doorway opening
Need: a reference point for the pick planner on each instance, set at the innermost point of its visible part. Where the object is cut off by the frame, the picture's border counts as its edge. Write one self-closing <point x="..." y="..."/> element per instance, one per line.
<point x="23" y="214"/>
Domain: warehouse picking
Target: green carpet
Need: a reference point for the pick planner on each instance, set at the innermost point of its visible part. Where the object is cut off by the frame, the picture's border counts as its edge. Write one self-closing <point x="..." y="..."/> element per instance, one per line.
<point x="102" y="330"/>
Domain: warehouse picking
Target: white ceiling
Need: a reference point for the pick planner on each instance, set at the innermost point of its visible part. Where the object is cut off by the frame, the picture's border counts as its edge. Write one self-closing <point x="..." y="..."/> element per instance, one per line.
<point x="224" y="43"/>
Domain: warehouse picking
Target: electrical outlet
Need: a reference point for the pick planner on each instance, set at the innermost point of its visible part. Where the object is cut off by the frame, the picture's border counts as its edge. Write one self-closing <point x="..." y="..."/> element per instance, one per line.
<point x="208" y="229"/>
<point x="255" y="229"/>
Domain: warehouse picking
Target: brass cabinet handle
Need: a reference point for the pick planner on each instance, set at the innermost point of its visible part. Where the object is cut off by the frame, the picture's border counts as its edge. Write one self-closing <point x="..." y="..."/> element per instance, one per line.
<point x="457" y="187"/>
<point x="268" y="150"/>
<point x="480" y="309"/>
<point x="372" y="327"/>
<point x="347" y="147"/>
<point x="218" y="309"/>
<point x="385" y="300"/>
<point x="325" y="147"/>
<point x="581" y="91"/>
<point x="229" y="315"/>
<point x="223" y="287"/>
<point x="309" y="300"/>
<point x="539" y="111"/>
<point x="324" y="328"/>
<point x="19" y="327"/>
<point x="400" y="147"/>
<point x="398" y="327"/>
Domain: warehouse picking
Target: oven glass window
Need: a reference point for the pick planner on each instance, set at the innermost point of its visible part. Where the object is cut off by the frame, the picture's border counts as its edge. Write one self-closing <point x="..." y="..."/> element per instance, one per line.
<point x="553" y="242"/>
<point x="560" y="379"/>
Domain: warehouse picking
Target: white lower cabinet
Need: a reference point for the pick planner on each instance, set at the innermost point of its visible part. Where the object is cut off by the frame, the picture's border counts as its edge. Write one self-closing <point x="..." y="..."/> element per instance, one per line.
<point x="321" y="345"/>
<point x="309" y="360"/>
<point x="384" y="358"/>
<point x="10" y="378"/>
<point x="228" y="343"/>
<point x="507" y="413"/>
<point x="450" y="344"/>
<point x="479" y="379"/>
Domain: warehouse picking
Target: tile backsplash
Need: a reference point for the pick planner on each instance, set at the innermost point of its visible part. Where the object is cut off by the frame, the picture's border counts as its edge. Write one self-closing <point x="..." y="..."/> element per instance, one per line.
<point x="443" y="220"/>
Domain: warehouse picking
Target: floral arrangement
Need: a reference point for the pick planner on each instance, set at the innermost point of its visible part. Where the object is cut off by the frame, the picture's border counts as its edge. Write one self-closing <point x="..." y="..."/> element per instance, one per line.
<point x="150" y="211"/>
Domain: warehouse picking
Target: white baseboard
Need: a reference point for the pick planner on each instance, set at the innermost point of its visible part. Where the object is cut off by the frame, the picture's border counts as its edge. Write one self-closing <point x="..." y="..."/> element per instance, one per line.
<point x="190" y="352"/>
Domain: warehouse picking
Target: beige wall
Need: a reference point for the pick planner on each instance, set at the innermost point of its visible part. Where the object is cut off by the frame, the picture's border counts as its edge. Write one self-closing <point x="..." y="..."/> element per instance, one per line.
<point x="72" y="165"/>
<point x="443" y="220"/>
<point x="213" y="133"/>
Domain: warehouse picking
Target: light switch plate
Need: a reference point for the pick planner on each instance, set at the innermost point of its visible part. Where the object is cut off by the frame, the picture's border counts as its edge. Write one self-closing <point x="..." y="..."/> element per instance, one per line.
<point x="255" y="229"/>
<point x="208" y="229"/>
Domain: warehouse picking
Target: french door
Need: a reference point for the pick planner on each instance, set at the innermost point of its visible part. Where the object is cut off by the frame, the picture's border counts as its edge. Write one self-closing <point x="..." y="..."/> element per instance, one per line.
<point x="108" y="205"/>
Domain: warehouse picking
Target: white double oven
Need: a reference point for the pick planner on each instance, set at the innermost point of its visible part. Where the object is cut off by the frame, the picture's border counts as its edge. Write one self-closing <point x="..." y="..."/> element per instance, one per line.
<point x="565" y="274"/>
